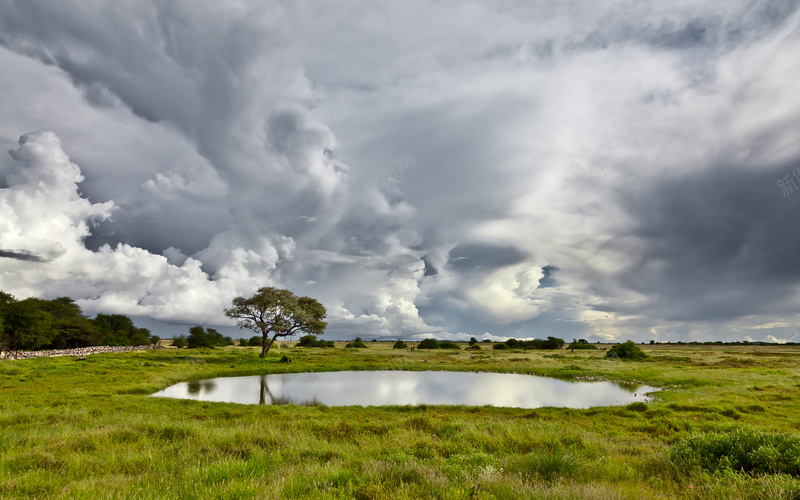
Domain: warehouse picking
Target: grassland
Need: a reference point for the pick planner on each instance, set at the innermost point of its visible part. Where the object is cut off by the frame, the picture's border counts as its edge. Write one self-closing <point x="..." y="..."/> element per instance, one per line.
<point x="86" y="428"/>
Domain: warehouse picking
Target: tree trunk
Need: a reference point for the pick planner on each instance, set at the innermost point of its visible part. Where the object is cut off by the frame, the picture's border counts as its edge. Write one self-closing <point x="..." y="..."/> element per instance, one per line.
<point x="266" y="345"/>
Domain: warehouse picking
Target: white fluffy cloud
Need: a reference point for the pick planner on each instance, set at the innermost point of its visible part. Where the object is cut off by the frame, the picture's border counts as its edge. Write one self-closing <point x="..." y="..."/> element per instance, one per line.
<point x="44" y="216"/>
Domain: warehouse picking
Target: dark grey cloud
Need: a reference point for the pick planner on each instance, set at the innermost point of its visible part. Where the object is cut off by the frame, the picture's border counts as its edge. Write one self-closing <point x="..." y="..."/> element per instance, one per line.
<point x="470" y="257"/>
<point x="548" y="281"/>
<point x="18" y="255"/>
<point x="719" y="243"/>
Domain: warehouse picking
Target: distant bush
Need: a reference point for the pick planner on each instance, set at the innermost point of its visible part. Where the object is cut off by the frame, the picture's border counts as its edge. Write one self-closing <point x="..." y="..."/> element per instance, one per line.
<point x="254" y="341"/>
<point x="486" y="341"/>
<point x="474" y="347"/>
<point x="357" y="343"/>
<point x="311" y="341"/>
<point x="550" y="343"/>
<point x="429" y="344"/>
<point x="500" y="347"/>
<point x="179" y="341"/>
<point x="580" y="345"/>
<point x="747" y="450"/>
<point x="446" y="344"/>
<point x="206" y="337"/>
<point x="286" y="359"/>
<point x="626" y="350"/>
<point x="399" y="345"/>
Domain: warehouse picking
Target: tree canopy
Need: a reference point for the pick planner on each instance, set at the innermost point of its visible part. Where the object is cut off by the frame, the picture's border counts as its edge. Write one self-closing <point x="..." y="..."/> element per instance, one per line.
<point x="274" y="312"/>
<point x="32" y="324"/>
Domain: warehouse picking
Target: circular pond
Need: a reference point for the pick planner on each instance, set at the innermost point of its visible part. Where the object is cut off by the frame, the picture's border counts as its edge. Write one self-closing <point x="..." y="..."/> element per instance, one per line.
<point x="392" y="387"/>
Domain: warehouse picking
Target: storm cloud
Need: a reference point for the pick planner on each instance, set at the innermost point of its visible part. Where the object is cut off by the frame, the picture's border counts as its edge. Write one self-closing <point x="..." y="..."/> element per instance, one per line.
<point x="528" y="169"/>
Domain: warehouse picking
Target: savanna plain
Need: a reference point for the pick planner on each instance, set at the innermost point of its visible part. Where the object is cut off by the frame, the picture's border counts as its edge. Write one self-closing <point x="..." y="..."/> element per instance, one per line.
<point x="725" y="425"/>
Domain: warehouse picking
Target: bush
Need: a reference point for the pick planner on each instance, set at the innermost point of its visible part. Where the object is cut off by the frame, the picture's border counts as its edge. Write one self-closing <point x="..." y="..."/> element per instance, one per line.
<point x="286" y="359"/>
<point x="580" y="345"/>
<point x="357" y="343"/>
<point x="254" y="341"/>
<point x="311" y="341"/>
<point x="446" y="344"/>
<point x="399" y="345"/>
<point x="500" y="347"/>
<point x="179" y="341"/>
<point x="626" y="350"/>
<point x="747" y="450"/>
<point x="429" y="344"/>
<point x="474" y="347"/>
<point x="550" y="343"/>
<point x="206" y="337"/>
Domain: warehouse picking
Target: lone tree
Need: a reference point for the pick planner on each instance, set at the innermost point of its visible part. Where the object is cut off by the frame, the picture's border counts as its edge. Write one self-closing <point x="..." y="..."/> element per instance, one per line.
<point x="274" y="313"/>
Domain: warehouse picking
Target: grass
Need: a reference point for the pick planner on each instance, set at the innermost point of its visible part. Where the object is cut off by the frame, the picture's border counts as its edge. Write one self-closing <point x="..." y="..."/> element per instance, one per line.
<point x="86" y="429"/>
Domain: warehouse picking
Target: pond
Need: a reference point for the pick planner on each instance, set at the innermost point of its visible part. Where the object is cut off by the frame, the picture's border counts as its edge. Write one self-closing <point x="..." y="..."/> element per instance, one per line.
<point x="393" y="387"/>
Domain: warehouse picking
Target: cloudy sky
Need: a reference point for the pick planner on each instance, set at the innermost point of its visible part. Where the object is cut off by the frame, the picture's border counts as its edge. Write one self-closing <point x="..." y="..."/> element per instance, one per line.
<point x="602" y="170"/>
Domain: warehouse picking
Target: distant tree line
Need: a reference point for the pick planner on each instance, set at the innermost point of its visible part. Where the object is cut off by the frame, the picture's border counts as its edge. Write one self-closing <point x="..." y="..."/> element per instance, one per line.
<point x="33" y="324"/>
<point x="549" y="343"/>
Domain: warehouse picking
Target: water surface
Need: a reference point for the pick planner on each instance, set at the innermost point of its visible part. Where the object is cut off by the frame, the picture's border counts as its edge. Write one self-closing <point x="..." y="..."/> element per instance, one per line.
<point x="393" y="387"/>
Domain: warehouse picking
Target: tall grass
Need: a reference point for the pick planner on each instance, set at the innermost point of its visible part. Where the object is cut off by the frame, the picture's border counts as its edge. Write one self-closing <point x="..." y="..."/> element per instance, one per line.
<point x="86" y="429"/>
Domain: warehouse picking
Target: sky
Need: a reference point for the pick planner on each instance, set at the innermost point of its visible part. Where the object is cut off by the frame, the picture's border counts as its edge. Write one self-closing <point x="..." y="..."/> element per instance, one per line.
<point x="600" y="170"/>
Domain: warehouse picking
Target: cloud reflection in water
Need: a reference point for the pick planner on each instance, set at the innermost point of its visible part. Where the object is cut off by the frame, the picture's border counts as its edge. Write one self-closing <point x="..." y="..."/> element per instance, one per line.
<point x="381" y="388"/>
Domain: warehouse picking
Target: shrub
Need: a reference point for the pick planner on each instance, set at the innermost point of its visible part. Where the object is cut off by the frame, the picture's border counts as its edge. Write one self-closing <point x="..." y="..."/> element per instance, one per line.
<point x="446" y="344"/>
<point x="206" y="337"/>
<point x="179" y="341"/>
<point x="399" y="345"/>
<point x="474" y="347"/>
<point x="626" y="350"/>
<point x="747" y="450"/>
<point x="580" y="345"/>
<point x="550" y="343"/>
<point x="286" y="359"/>
<point x="500" y="347"/>
<point x="357" y="343"/>
<point x="311" y="341"/>
<point x="254" y="341"/>
<point x="429" y="344"/>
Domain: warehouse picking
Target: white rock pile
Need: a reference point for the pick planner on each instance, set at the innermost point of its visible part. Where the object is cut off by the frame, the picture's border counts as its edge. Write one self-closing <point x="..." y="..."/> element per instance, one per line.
<point x="79" y="352"/>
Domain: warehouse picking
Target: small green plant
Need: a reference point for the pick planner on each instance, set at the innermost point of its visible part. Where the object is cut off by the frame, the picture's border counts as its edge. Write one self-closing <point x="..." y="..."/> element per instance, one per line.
<point x="626" y="350"/>
<point x="399" y="345"/>
<point x="550" y="463"/>
<point x="474" y="347"/>
<point x="500" y="347"/>
<point x="286" y="359"/>
<point x="637" y="406"/>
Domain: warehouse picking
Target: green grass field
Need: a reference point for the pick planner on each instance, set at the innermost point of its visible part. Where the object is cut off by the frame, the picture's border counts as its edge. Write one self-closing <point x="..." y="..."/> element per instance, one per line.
<point x="86" y="429"/>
